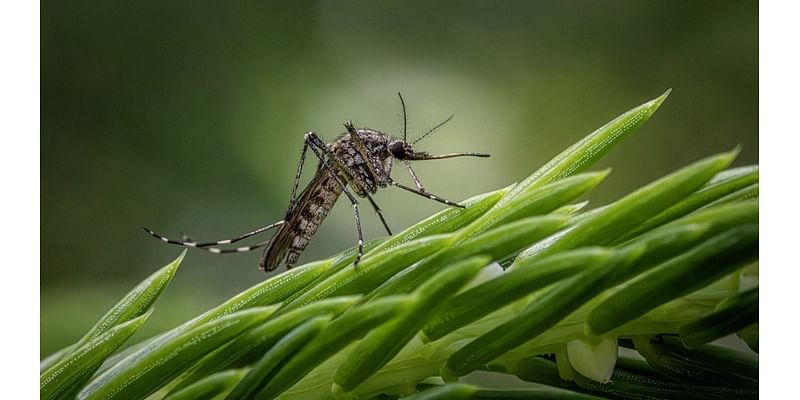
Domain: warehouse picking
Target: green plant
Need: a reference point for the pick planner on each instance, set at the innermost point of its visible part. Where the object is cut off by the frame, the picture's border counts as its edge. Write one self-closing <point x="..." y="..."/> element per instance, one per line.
<point x="663" y="270"/>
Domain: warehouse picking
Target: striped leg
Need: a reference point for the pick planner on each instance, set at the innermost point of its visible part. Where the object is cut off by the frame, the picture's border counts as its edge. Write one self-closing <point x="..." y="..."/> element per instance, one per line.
<point x="208" y="245"/>
<point x="414" y="176"/>
<point x="428" y="195"/>
<point x="319" y="148"/>
<point x="293" y="199"/>
<point x="244" y="249"/>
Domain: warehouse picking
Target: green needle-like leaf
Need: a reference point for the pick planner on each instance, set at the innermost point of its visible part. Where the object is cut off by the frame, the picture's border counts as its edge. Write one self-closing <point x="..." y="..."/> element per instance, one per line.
<point x="271" y="291"/>
<point x="136" y="302"/>
<point x="258" y="340"/>
<point x="627" y="213"/>
<point x="209" y="387"/>
<point x="747" y="193"/>
<point x="723" y="184"/>
<point x="569" y="294"/>
<point x="707" y="364"/>
<point x="547" y="310"/>
<point x="570" y="209"/>
<point x="141" y="374"/>
<point x="681" y="275"/>
<point x="453" y="391"/>
<point x="72" y="371"/>
<point x="383" y="343"/>
<point x="734" y="314"/>
<point x="490" y="296"/>
<point x="445" y="221"/>
<point x="372" y="271"/>
<point x="342" y="331"/>
<point x="53" y="358"/>
<point x="498" y="243"/>
<point x="583" y="154"/>
<point x="535" y="200"/>
<point x="263" y="370"/>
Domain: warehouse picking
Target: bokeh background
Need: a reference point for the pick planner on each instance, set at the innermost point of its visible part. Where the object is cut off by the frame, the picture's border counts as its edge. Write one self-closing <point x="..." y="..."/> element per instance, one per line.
<point x="188" y="117"/>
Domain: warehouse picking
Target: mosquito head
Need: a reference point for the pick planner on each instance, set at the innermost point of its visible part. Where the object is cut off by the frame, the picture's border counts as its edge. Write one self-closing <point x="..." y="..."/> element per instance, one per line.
<point x="403" y="151"/>
<point x="400" y="150"/>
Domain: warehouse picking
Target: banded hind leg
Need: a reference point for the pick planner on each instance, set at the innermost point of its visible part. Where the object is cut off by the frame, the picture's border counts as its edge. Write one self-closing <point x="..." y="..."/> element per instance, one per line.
<point x="293" y="199"/>
<point x="426" y="194"/>
<point x="209" y="246"/>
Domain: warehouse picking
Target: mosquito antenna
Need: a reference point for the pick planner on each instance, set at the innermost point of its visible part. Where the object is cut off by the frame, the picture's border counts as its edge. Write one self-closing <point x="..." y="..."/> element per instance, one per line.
<point x="405" y="116"/>
<point x="433" y="129"/>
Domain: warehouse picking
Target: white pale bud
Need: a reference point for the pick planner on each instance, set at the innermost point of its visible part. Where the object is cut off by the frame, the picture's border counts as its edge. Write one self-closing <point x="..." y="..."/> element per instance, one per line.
<point x="594" y="360"/>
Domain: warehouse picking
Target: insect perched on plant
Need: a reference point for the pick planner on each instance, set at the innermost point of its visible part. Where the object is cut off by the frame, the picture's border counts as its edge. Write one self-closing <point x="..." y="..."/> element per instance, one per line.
<point x="357" y="163"/>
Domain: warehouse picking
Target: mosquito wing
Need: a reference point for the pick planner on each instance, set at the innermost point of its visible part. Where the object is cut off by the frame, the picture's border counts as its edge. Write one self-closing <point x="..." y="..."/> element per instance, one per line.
<point x="302" y="222"/>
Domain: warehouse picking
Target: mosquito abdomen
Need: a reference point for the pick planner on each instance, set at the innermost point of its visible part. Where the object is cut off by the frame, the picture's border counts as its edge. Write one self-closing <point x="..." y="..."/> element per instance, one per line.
<point x="303" y="221"/>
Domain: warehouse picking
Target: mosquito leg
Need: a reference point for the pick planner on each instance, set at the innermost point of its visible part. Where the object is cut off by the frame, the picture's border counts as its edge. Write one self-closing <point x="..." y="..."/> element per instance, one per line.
<point x="191" y="243"/>
<point x="217" y="250"/>
<point x="293" y="199"/>
<point x="428" y="195"/>
<point x="353" y="177"/>
<point x="317" y="146"/>
<point x="414" y="176"/>
<point x="374" y="167"/>
<point x="380" y="214"/>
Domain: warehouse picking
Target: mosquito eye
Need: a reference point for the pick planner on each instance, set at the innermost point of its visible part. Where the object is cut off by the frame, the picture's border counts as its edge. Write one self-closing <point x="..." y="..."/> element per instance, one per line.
<point x="398" y="150"/>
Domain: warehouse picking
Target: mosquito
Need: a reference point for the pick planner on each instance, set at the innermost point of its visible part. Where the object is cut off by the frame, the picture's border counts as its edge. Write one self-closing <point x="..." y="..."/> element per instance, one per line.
<point x="357" y="163"/>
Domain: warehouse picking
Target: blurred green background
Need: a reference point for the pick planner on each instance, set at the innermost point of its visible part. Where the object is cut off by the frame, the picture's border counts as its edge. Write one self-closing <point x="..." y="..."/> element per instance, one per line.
<point x="188" y="117"/>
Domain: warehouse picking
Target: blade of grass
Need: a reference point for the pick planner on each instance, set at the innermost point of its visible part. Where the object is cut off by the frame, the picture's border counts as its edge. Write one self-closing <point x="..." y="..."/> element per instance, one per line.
<point x="741" y="365"/>
<point x="142" y="374"/>
<point x="271" y="291"/>
<point x="534" y="200"/>
<point x="554" y="305"/>
<point x="570" y="209"/>
<point x="583" y="154"/>
<point x="256" y="341"/>
<point x="681" y="275"/>
<point x="724" y="183"/>
<point x="474" y="303"/>
<point x="372" y="271"/>
<point x="351" y="326"/>
<point x="497" y="243"/>
<point x="734" y="314"/>
<point x="136" y="302"/>
<point x="67" y="375"/>
<point x="567" y="295"/>
<point x="383" y="343"/>
<point x="445" y="221"/>
<point x="53" y="358"/>
<point x="264" y="369"/>
<point x="750" y="192"/>
<point x="209" y="387"/>
<point x="454" y="391"/>
<point x="705" y="365"/>
<point x="623" y="215"/>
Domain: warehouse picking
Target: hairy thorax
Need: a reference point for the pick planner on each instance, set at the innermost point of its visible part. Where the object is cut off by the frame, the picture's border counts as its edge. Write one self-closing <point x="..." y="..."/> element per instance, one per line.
<point x="365" y="178"/>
